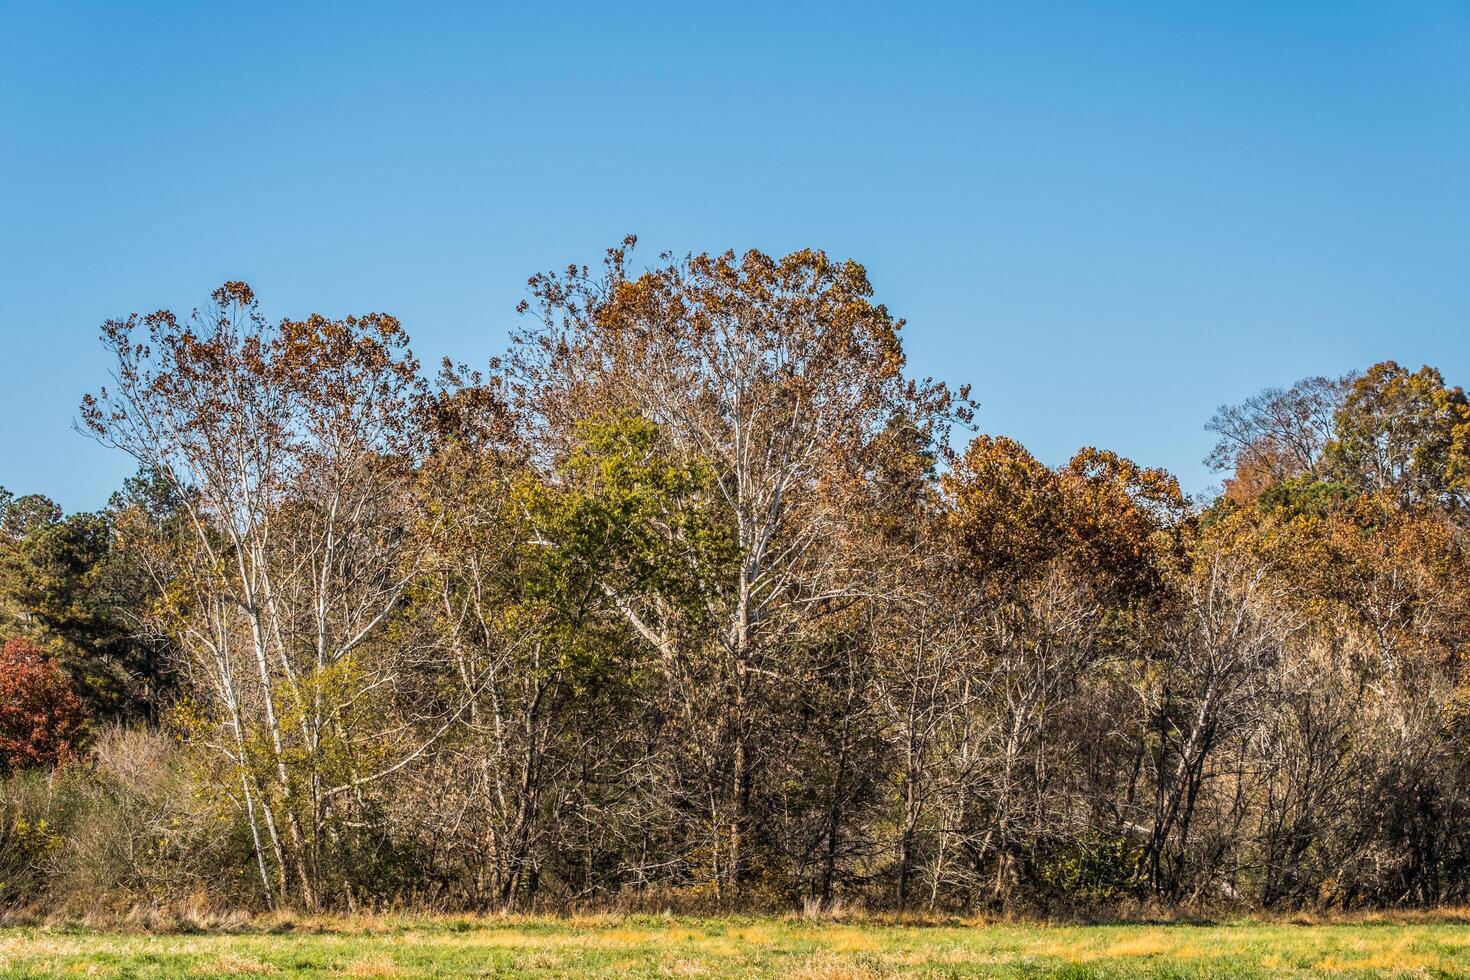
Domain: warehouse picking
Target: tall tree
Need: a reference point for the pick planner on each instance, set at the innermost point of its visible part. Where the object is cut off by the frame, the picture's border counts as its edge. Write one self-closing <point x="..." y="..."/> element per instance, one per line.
<point x="778" y="376"/>
<point x="292" y="450"/>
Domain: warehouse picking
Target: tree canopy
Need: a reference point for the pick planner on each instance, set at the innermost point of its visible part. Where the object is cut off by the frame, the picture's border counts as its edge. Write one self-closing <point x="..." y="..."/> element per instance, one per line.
<point x="695" y="595"/>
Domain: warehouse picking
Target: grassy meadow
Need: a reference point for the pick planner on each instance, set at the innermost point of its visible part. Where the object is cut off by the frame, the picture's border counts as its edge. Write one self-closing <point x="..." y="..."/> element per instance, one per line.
<point x="652" y="946"/>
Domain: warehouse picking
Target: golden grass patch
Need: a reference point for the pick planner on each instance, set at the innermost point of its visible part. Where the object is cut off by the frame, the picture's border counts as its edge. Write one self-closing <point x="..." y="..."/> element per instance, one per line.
<point x="913" y="959"/>
<point x="964" y="954"/>
<point x="1135" y="947"/>
<point x="542" y="960"/>
<point x="372" y="966"/>
<point x="626" y="936"/>
<point x="499" y="939"/>
<point x="1454" y="941"/>
<point x="230" y="964"/>
<point x="826" y="965"/>
<point x="38" y="946"/>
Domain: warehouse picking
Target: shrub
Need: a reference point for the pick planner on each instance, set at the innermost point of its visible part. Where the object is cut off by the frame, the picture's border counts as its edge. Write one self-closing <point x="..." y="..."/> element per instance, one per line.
<point x="32" y="819"/>
<point x="128" y="826"/>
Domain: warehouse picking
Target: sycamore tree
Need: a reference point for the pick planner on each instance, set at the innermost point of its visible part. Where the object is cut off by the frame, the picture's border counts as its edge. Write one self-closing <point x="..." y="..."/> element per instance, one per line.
<point x="291" y="449"/>
<point x="776" y="377"/>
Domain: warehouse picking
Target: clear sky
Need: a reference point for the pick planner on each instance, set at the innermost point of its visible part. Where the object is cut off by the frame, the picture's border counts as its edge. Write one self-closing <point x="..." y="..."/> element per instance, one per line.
<point x="1109" y="217"/>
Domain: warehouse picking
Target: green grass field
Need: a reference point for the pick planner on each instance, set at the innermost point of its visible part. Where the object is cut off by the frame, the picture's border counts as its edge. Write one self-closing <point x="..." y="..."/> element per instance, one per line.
<point x="741" y="947"/>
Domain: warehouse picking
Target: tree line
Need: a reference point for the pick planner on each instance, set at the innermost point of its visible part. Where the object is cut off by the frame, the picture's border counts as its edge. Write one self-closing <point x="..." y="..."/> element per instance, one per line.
<point x="697" y="596"/>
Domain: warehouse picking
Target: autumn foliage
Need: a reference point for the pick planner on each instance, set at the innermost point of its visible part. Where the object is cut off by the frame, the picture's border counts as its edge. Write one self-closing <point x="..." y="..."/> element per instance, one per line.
<point x="697" y="596"/>
<point x="41" y="715"/>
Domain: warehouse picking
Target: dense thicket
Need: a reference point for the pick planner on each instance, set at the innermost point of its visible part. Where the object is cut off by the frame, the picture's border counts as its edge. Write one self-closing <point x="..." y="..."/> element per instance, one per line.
<point x="697" y="596"/>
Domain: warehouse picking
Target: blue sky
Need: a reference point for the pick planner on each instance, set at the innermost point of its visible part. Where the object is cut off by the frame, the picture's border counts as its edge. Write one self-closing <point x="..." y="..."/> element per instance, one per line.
<point x="1109" y="217"/>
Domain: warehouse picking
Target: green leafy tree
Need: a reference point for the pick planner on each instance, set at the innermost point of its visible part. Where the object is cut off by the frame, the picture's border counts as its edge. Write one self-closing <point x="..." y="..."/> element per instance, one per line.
<point x="74" y="585"/>
<point x="1406" y="433"/>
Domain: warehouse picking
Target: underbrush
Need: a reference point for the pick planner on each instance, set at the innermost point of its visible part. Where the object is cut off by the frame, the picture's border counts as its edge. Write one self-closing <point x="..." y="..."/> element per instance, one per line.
<point x="130" y="827"/>
<point x="138" y="837"/>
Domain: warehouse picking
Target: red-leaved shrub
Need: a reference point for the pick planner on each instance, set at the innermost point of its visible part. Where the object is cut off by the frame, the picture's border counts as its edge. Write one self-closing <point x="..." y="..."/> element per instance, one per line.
<point x="41" y="715"/>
